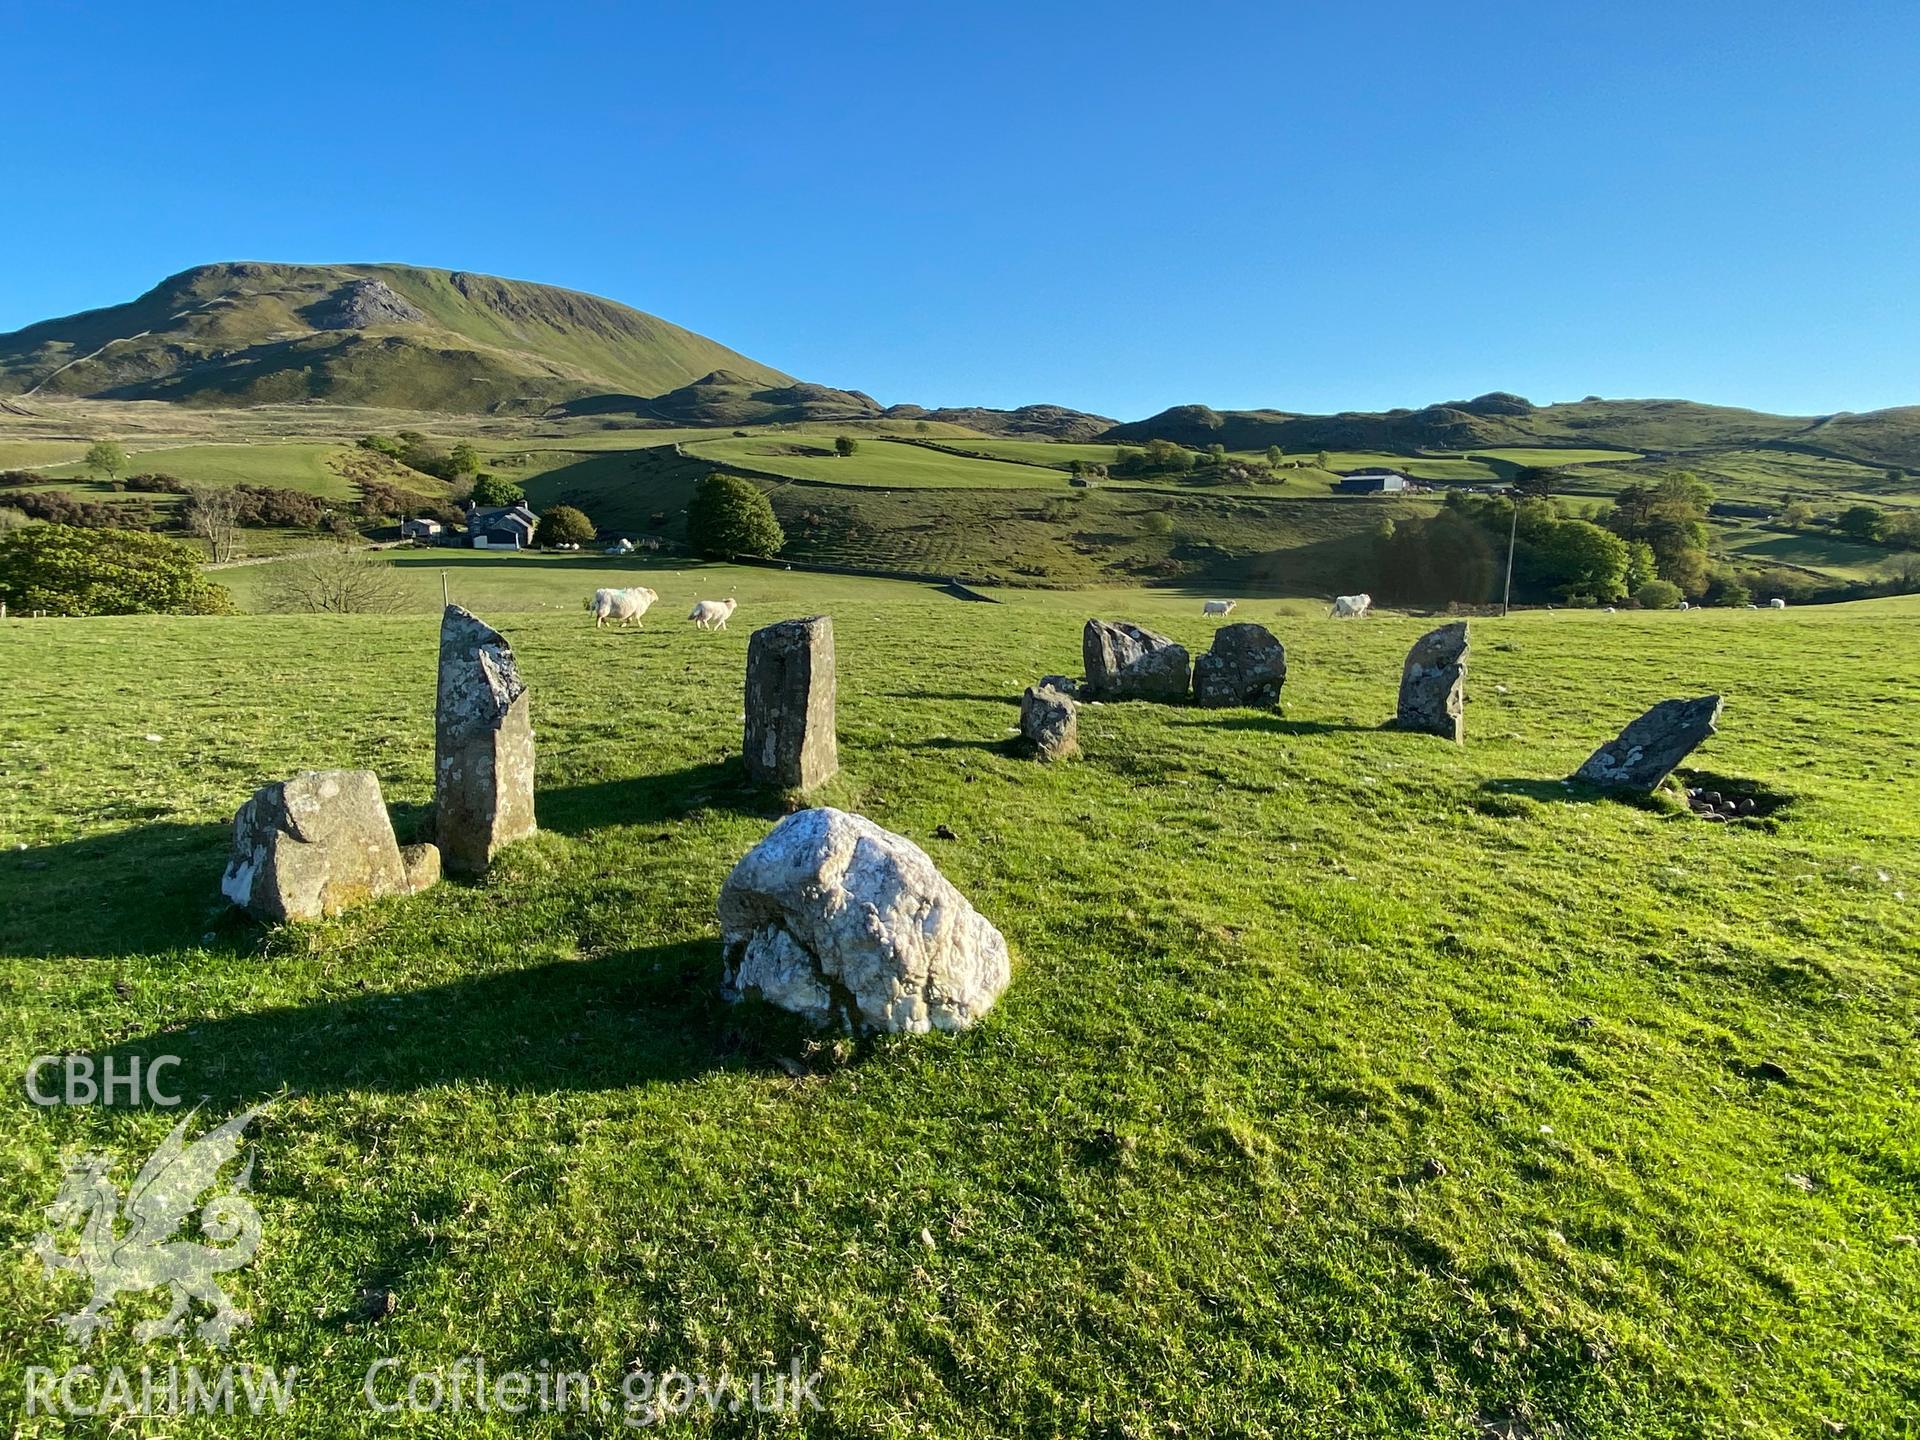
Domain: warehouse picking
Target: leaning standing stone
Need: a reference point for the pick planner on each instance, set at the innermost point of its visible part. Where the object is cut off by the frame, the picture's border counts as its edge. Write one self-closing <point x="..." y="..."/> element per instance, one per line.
<point x="790" y="738"/>
<point x="1433" y="684"/>
<point x="483" y="746"/>
<point x="1127" y="662"/>
<point x="1246" y="666"/>
<point x="1646" y="751"/>
<point x="844" y="923"/>
<point x="313" y="846"/>
<point x="1049" y="722"/>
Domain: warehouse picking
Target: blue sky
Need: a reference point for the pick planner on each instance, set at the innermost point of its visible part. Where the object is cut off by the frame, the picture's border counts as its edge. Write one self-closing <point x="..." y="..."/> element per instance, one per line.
<point x="1118" y="206"/>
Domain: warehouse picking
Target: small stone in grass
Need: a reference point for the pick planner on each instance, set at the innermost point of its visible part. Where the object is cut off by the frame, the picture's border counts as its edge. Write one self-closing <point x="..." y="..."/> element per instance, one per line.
<point x="944" y="832"/>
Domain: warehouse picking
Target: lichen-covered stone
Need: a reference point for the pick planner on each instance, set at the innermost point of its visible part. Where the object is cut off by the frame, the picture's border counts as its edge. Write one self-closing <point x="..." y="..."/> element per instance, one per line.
<point x="1433" y="684"/>
<point x="790" y="739"/>
<point x="845" y="923"/>
<point x="1644" y="753"/>
<point x="313" y="846"/>
<point x="483" y="746"/>
<point x="1127" y="662"/>
<point x="1246" y="666"/>
<point x="422" y="866"/>
<point x="1049" y="722"/>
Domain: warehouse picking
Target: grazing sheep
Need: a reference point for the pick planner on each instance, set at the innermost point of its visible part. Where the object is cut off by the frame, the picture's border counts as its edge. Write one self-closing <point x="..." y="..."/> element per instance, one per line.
<point x="1219" y="607"/>
<point x="1776" y="603"/>
<point x="712" y="614"/>
<point x="1350" y="607"/>
<point x="1685" y="605"/>
<point x="1611" y="610"/>
<point x="624" y="607"/>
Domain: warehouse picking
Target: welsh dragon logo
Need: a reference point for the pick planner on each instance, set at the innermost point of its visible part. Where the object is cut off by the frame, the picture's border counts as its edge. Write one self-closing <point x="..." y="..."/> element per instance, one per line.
<point x="132" y="1246"/>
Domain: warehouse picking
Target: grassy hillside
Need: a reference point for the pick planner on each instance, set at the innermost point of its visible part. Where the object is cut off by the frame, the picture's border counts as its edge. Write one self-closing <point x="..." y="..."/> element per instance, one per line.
<point x="389" y="335"/>
<point x="1350" y="1084"/>
<point x="1491" y="423"/>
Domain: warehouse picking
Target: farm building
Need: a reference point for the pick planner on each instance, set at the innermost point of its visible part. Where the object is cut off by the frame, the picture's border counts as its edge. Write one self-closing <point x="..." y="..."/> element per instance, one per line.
<point x="504" y="527"/>
<point x="420" y="528"/>
<point x="1371" y="481"/>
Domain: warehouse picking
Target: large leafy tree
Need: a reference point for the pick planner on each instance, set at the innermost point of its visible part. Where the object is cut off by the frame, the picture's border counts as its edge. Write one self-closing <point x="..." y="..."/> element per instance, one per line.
<point x="490" y="491"/>
<point x="563" y="525"/>
<point x="65" y="570"/>
<point x="731" y="516"/>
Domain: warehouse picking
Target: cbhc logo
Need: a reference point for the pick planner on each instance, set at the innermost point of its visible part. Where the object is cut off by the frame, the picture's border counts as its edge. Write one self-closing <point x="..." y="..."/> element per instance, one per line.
<point x="88" y="1083"/>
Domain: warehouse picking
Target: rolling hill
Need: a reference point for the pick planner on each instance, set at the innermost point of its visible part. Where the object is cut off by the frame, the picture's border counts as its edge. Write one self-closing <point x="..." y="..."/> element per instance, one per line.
<point x="1499" y="420"/>
<point x="391" y="335"/>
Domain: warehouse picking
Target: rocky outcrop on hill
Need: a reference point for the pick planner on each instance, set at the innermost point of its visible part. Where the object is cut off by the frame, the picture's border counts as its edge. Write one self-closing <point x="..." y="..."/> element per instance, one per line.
<point x="360" y="304"/>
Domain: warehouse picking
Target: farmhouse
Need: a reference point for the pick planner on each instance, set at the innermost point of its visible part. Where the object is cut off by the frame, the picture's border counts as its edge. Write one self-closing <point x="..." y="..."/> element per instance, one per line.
<point x="420" y="528"/>
<point x="503" y="527"/>
<point x="1374" y="480"/>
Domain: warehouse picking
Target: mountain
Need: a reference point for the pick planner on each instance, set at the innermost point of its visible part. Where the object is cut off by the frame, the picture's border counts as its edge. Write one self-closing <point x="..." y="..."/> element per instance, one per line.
<point x="728" y="397"/>
<point x="1881" y="437"/>
<point x="390" y="335"/>
<point x="1052" y="422"/>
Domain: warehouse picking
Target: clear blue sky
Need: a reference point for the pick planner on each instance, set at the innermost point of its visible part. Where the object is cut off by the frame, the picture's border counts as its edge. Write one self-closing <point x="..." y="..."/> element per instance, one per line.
<point x="1116" y="206"/>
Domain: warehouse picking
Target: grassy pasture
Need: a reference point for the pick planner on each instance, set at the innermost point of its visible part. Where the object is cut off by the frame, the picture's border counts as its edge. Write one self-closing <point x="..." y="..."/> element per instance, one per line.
<point x="878" y="463"/>
<point x="295" y="465"/>
<point x="1268" y="968"/>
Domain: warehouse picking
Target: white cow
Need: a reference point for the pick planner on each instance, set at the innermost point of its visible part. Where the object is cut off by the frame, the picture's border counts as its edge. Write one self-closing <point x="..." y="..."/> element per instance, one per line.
<point x="712" y="614"/>
<point x="1776" y="603"/>
<point x="1350" y="607"/>
<point x="1218" y="607"/>
<point x="623" y="607"/>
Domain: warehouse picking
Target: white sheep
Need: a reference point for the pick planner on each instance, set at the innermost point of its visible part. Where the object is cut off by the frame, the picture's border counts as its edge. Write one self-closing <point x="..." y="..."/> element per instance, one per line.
<point x="1218" y="607"/>
<point x="1776" y="603"/>
<point x="1350" y="607"/>
<point x="624" y="607"/>
<point x="712" y="614"/>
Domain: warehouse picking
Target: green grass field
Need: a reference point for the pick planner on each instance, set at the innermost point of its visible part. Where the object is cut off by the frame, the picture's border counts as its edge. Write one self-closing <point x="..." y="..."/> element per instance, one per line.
<point x="878" y="463"/>
<point x="1349" y="1084"/>
<point x="293" y="465"/>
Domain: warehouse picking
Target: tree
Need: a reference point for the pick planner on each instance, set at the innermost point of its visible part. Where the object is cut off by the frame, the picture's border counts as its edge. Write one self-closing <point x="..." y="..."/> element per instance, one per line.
<point x="1535" y="482"/>
<point x="563" y="525"/>
<point x="1579" y="558"/>
<point x="212" y="514"/>
<point x="106" y="457"/>
<point x="731" y="516"/>
<point x="339" y="580"/>
<point x="1901" y="530"/>
<point x="1324" y="460"/>
<point x="490" y="492"/>
<point x="1641" y="565"/>
<point x="845" y="445"/>
<point x="1658" y="595"/>
<point x="12" y="519"/>
<point x="1726" y="588"/>
<point x="1796" y="515"/>
<point x="1862" y="522"/>
<point x="66" y="570"/>
<point x="1690" y="570"/>
<point x="1275" y="455"/>
<point x="464" y="459"/>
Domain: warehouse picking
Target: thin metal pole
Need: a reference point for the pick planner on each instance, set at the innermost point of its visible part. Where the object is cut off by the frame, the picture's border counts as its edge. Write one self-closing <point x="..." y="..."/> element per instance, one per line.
<point x="444" y="598"/>
<point x="1513" y="534"/>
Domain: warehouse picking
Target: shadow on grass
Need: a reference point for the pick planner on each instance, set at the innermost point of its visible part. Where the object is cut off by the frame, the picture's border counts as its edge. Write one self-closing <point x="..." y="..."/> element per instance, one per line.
<point x="655" y="799"/>
<point x="1573" y="792"/>
<point x="1271" y="724"/>
<point x="953" y="695"/>
<point x="1010" y="745"/>
<point x="151" y="888"/>
<point x="636" y="1017"/>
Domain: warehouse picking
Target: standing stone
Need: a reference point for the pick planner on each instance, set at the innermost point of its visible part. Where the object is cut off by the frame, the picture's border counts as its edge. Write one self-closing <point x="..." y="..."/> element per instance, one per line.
<point x="313" y="846"/>
<point x="1049" y="722"/>
<point x="1646" y="751"/>
<point x="843" y="922"/>
<point x="1126" y="662"/>
<point x="483" y="746"/>
<point x="790" y="738"/>
<point x="1246" y="666"/>
<point x="1433" y="684"/>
